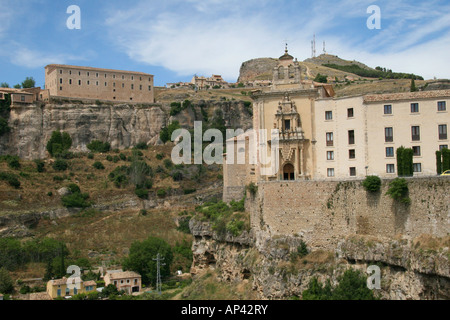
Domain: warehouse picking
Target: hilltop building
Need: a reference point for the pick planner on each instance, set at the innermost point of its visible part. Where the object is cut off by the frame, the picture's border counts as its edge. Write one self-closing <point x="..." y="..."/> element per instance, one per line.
<point x="211" y="82"/>
<point x="99" y="84"/>
<point x="322" y="137"/>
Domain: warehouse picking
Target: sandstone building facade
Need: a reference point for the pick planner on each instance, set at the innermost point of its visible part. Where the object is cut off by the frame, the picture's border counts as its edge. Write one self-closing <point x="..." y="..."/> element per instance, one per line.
<point x="99" y="84"/>
<point x="322" y="137"/>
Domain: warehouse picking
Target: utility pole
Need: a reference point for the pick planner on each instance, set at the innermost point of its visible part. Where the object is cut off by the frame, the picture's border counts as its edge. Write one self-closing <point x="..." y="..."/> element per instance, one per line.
<point x="158" y="272"/>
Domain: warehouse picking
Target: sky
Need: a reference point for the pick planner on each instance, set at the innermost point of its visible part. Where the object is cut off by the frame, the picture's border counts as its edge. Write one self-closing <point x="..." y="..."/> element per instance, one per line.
<point x="175" y="40"/>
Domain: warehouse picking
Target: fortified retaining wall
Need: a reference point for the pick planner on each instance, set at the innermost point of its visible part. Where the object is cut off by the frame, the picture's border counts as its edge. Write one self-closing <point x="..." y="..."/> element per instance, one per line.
<point x="323" y="213"/>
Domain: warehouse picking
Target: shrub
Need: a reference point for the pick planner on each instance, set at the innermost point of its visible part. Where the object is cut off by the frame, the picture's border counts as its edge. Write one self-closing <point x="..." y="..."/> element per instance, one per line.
<point x="98" y="165"/>
<point x="58" y="143"/>
<point x="141" y="193"/>
<point x="252" y="188"/>
<point x="4" y="126"/>
<point x="372" y="183"/>
<point x="73" y="188"/>
<point x="60" y="165"/>
<point x="76" y="200"/>
<point x="141" y="146"/>
<point x="13" y="162"/>
<point x="40" y="165"/>
<point x="160" y="156"/>
<point x="398" y="190"/>
<point x="122" y="157"/>
<point x="90" y="156"/>
<point x="189" y="190"/>
<point x="161" y="193"/>
<point x="177" y="176"/>
<point x="109" y="158"/>
<point x="11" y="179"/>
<point x="168" y="163"/>
<point x="99" y="146"/>
<point x="116" y="159"/>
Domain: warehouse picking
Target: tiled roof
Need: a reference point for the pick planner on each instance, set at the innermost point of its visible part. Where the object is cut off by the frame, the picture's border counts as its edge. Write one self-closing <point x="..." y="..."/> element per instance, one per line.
<point x="124" y="275"/>
<point x="94" y="69"/>
<point x="407" y="95"/>
<point x="90" y="283"/>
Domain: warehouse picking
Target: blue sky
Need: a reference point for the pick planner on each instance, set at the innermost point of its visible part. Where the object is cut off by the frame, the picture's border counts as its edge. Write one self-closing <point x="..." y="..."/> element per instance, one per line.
<point x="176" y="39"/>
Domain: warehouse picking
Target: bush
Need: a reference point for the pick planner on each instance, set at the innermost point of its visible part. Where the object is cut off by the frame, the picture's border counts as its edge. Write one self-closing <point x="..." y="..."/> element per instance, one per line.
<point x="141" y="193"/>
<point x="161" y="193"/>
<point x="40" y="165"/>
<point x="141" y="146"/>
<point x="160" y="156"/>
<point x="398" y="190"/>
<point x="109" y="158"/>
<point x="11" y="179"/>
<point x="73" y="188"/>
<point x="122" y="157"/>
<point x="168" y="163"/>
<point x="177" y="176"/>
<point x="76" y="200"/>
<point x="4" y="126"/>
<point x="90" y="156"/>
<point x="98" y="146"/>
<point x="58" y="143"/>
<point x="13" y="162"/>
<point x="60" y="165"/>
<point x="98" y="165"/>
<point x="372" y="183"/>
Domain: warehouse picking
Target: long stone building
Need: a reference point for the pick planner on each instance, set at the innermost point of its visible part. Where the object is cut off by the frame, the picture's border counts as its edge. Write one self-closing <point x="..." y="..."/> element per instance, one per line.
<point x="99" y="84"/>
<point x="322" y="137"/>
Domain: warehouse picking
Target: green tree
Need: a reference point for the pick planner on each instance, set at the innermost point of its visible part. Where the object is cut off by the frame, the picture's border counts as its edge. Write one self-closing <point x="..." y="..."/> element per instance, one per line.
<point x="413" y="85"/>
<point x="321" y="78"/>
<point x="405" y="161"/>
<point x="59" y="143"/>
<point x="398" y="190"/>
<point x="28" y="83"/>
<point x="352" y="286"/>
<point x="445" y="159"/>
<point x="4" y="128"/>
<point x="99" y="146"/>
<point x="6" y="283"/>
<point x="317" y="291"/>
<point x="140" y="258"/>
<point x="166" y="132"/>
<point x="4" y="85"/>
<point x="439" y="162"/>
<point x="18" y="86"/>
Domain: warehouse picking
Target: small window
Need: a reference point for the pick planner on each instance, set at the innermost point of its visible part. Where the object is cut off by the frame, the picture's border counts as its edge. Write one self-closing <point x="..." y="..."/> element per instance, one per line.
<point x="88" y="74"/>
<point x="330" y="139"/>
<point x="442" y="106"/>
<point x="60" y="88"/>
<point x="350" y="113"/>
<point x="443" y="132"/>
<point x="114" y="84"/>
<point x="96" y="83"/>
<point x="351" y="154"/>
<point x="352" y="171"/>
<point x="287" y="124"/>
<point x="388" y="134"/>
<point x="123" y="85"/>
<point x="79" y="82"/>
<point x="106" y="84"/>
<point x="149" y="88"/>
<point x="390" y="168"/>
<point x="60" y="71"/>
<point x="351" y="137"/>
<point x="140" y="87"/>
<point x="330" y="155"/>
<point x="79" y="73"/>
<point x="389" y="152"/>
<point x="416" y="151"/>
<point x="328" y="115"/>
<point x="61" y="80"/>
<point x="414" y="107"/>
<point x="105" y="75"/>
<point x="330" y="172"/>
<point x="132" y="87"/>
<point x="415" y="133"/>
<point x="388" y="109"/>
<point x="22" y="98"/>
<point x="88" y="82"/>
<point x="417" y="167"/>
<point x="132" y="77"/>
<point x="96" y="74"/>
<point x="70" y="81"/>
<point x="114" y="76"/>
<point x="123" y="77"/>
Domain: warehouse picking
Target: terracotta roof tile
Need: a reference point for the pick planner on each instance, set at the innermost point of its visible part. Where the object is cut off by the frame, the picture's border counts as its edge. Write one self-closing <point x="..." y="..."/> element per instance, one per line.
<point x="407" y="95"/>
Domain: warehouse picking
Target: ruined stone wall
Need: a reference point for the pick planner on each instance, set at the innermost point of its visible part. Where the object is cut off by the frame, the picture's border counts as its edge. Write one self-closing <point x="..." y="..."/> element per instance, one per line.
<point x="323" y="213"/>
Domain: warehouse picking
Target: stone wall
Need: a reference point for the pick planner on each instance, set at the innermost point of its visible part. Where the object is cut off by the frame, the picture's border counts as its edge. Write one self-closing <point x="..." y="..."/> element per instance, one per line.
<point x="323" y="213"/>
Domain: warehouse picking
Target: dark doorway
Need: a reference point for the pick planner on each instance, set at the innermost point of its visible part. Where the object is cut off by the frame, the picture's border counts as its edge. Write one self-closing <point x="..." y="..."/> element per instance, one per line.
<point x="288" y="172"/>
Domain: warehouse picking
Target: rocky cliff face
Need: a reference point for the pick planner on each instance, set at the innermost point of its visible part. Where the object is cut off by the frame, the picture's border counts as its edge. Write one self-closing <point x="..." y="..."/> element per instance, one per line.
<point x="123" y="126"/>
<point x="408" y="270"/>
<point x="261" y="68"/>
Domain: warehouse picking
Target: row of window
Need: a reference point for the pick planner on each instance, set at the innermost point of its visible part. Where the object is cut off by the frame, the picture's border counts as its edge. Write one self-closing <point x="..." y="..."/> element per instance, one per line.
<point x="415" y="133"/>
<point x="330" y="138"/>
<point x="351" y="154"/>
<point x="390" y="168"/>
<point x="88" y="73"/>
<point x="88" y="82"/>
<point x="441" y="106"/>
<point x="350" y="114"/>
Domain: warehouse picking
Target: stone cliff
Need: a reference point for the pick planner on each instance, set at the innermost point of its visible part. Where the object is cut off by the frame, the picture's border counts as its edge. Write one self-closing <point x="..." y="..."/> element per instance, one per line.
<point x="410" y="246"/>
<point x="122" y="125"/>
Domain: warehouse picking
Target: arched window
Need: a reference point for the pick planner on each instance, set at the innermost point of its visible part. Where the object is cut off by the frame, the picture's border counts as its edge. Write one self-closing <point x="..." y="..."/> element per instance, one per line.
<point x="281" y="72"/>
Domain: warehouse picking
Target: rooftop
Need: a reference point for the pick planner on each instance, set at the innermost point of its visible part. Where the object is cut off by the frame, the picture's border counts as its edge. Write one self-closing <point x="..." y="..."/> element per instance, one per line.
<point x="407" y="96"/>
<point x="64" y="66"/>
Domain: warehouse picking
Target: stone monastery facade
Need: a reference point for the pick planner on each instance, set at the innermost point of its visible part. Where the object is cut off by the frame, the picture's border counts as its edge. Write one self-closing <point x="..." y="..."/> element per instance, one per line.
<point x="322" y="137"/>
<point x="99" y="84"/>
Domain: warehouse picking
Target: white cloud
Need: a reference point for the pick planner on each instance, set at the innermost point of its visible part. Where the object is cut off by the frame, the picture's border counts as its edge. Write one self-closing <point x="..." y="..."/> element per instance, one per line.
<point x="206" y="37"/>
